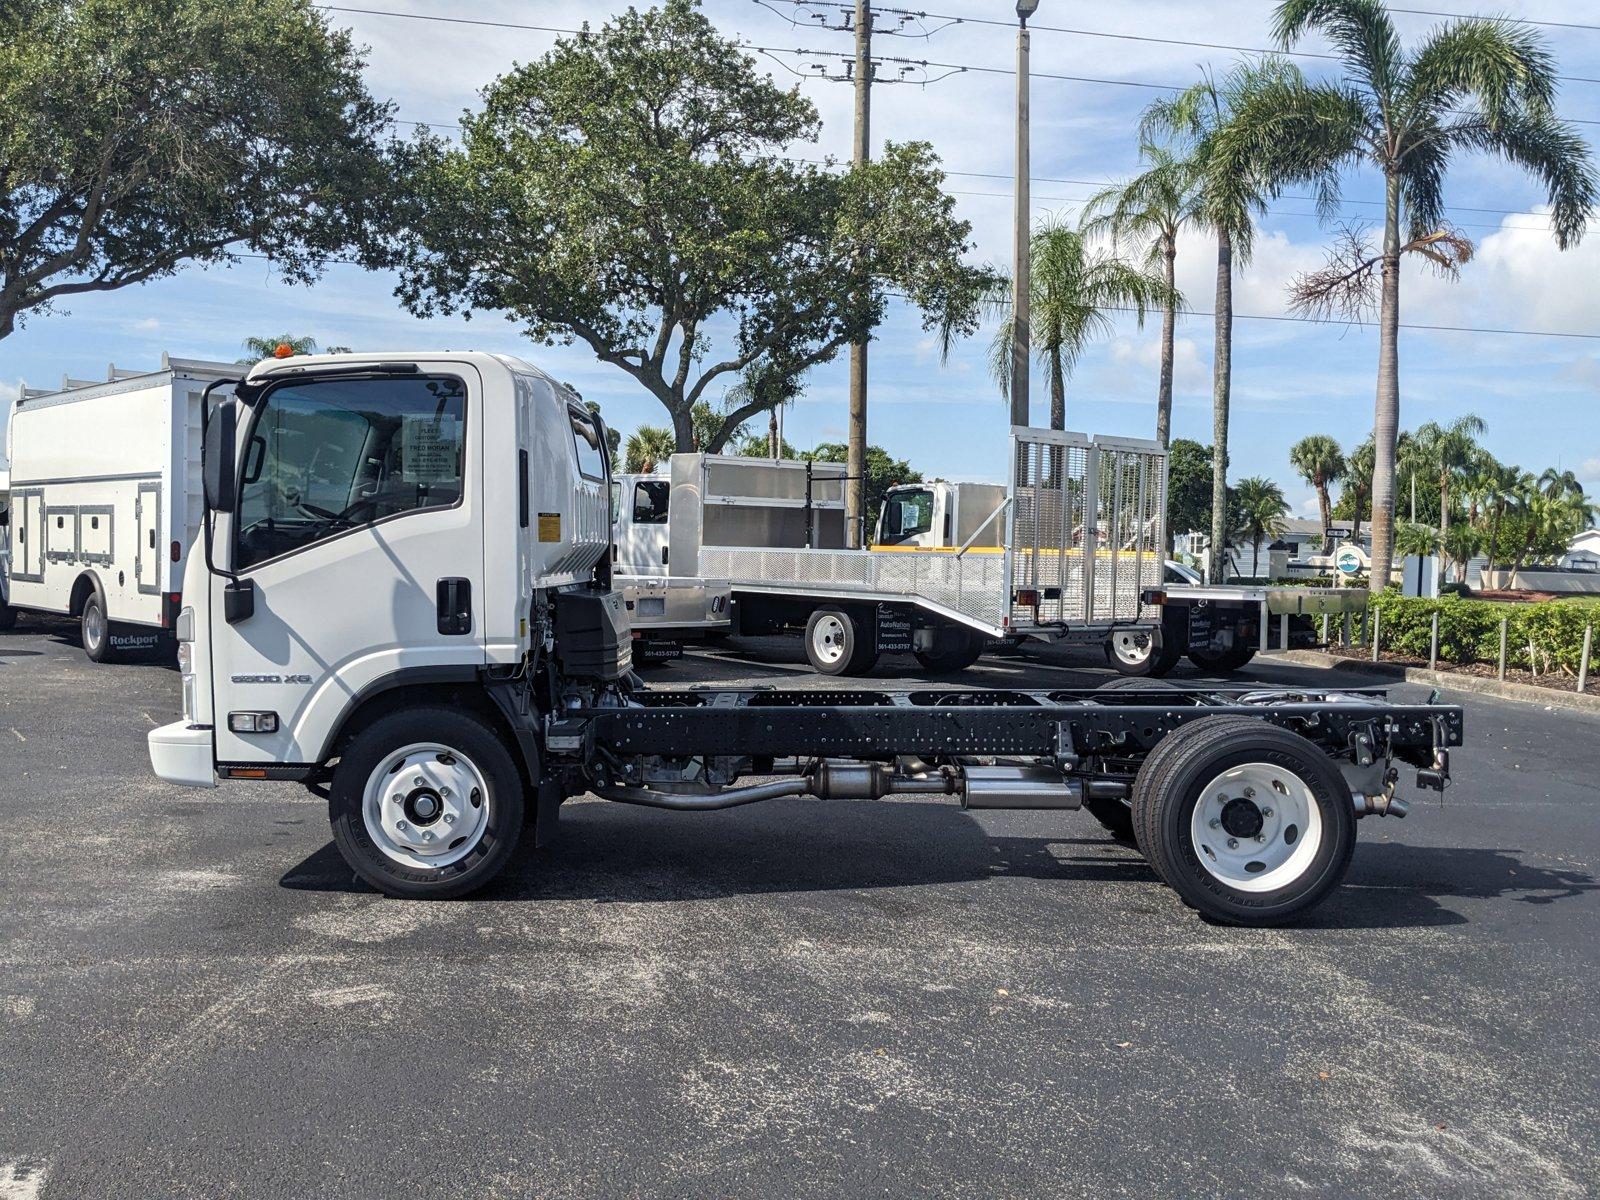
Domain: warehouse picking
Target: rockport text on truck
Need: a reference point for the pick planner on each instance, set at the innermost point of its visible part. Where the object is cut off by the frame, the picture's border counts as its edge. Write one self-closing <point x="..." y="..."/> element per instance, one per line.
<point x="401" y="598"/>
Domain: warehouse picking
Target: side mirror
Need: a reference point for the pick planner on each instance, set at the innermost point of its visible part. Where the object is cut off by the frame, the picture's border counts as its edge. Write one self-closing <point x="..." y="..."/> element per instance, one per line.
<point x="219" y="469"/>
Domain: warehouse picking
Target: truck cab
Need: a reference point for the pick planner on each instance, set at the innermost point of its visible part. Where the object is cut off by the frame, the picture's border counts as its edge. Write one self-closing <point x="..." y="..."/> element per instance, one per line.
<point x="940" y="515"/>
<point x="356" y="545"/>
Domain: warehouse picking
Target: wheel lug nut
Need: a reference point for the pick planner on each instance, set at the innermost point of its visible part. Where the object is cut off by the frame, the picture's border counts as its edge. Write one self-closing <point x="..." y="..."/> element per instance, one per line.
<point x="401" y="825"/>
<point x="427" y="835"/>
<point x="449" y="818"/>
<point x="1261" y="837"/>
<point x="419" y="781"/>
<point x="444" y="791"/>
<point x="1233" y="843"/>
<point x="1215" y="823"/>
<point x="398" y="798"/>
<point x="1266" y="812"/>
<point x="1249" y="793"/>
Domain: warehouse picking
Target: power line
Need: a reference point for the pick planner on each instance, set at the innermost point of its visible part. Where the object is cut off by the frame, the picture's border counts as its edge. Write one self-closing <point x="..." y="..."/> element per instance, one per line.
<point x="450" y="129"/>
<point x="1091" y="33"/>
<point x="901" y="62"/>
<point x="1293" y="320"/>
<point x="1429" y="12"/>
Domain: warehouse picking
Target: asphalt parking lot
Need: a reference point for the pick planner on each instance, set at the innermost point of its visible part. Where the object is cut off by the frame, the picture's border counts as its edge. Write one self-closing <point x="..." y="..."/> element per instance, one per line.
<point x="893" y="998"/>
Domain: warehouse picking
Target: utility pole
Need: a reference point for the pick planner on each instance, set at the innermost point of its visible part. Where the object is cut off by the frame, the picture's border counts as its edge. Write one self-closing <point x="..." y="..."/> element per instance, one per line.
<point x="1022" y="283"/>
<point x="856" y="450"/>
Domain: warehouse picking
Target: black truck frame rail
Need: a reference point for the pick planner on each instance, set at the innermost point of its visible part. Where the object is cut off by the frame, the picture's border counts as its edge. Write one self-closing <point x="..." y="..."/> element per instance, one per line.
<point x="1067" y="725"/>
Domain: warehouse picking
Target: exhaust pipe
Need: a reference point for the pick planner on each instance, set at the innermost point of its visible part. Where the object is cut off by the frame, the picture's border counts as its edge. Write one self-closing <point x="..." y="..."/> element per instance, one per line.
<point x="1382" y="805"/>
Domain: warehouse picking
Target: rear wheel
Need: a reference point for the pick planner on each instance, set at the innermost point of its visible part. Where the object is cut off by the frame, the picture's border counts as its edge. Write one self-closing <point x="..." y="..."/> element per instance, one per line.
<point x="1249" y="823"/>
<point x="96" y="629"/>
<point x="1116" y="814"/>
<point x="954" y="649"/>
<point x="1141" y="652"/>
<point x="426" y="804"/>
<point x="1224" y="661"/>
<point x="837" y="643"/>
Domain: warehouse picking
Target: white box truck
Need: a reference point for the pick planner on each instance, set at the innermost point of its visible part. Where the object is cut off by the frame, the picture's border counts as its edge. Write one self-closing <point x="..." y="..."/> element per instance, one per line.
<point x="402" y="597"/>
<point x="106" y="500"/>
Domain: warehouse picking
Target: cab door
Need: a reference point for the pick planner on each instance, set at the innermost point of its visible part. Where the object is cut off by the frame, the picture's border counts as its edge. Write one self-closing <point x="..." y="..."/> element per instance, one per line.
<point x="356" y="552"/>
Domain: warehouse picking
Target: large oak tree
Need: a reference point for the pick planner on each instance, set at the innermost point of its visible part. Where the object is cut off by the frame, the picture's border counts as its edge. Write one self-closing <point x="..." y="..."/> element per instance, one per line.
<point x="631" y="190"/>
<point x="136" y="135"/>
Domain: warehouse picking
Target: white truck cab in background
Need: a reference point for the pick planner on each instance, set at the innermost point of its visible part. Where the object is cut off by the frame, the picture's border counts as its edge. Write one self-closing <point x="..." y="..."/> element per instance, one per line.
<point x="941" y="515"/>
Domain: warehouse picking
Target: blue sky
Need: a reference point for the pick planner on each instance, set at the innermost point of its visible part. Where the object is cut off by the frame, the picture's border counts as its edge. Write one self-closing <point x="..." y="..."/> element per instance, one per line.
<point x="1536" y="393"/>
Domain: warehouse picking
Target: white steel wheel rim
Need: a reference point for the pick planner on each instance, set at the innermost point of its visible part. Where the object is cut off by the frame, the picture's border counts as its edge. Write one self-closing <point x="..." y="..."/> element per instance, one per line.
<point x="1280" y="851"/>
<point x="94" y="624"/>
<point x="1132" y="647"/>
<point x="828" y="639"/>
<point x="426" y="805"/>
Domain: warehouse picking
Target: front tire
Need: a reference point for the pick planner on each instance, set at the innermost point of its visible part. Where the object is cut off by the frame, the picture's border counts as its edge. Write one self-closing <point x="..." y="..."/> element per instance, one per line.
<point x="427" y="804"/>
<point x="1249" y="823"/>
<point x="96" y="628"/>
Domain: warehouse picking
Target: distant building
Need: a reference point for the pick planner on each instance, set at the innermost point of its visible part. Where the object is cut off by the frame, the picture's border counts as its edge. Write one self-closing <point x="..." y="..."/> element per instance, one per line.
<point x="1583" y="552"/>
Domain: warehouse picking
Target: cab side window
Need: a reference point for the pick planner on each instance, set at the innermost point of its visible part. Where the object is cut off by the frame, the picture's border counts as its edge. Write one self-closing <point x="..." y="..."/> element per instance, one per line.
<point x="650" y="499"/>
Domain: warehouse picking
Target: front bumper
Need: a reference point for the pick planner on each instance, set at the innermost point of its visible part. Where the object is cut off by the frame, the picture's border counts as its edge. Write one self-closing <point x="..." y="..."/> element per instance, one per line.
<point x="181" y="753"/>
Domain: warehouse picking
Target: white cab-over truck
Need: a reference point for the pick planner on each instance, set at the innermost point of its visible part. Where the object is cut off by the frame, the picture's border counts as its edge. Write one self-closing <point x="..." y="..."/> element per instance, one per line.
<point x="106" y="501"/>
<point x="401" y="598"/>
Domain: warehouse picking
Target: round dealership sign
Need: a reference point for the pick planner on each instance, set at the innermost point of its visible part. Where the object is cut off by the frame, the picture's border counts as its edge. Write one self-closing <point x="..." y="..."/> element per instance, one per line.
<point x="1348" y="562"/>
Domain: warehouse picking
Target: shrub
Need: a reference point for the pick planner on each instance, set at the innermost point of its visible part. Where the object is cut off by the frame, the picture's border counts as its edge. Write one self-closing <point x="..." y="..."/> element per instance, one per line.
<point x="1469" y="630"/>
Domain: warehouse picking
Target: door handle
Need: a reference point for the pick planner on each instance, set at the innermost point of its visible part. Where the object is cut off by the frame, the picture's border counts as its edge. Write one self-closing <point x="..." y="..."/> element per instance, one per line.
<point x="454" y="598"/>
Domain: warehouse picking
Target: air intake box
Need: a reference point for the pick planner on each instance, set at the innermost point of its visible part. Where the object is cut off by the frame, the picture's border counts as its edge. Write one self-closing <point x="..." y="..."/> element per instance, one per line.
<point x="593" y="639"/>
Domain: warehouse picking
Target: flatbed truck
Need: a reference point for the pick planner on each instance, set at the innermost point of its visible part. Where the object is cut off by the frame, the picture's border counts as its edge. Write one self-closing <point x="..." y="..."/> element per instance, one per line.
<point x="430" y="640"/>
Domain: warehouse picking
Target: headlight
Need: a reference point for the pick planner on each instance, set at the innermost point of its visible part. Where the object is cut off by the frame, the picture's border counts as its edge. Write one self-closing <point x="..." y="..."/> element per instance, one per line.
<point x="184" y="628"/>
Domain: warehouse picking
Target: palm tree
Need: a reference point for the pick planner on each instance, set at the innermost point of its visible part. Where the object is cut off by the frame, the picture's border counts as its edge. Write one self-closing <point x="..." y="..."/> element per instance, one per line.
<point x="1414" y="539"/>
<point x="1554" y="482"/>
<point x="1148" y="212"/>
<point x="1259" y="508"/>
<point x="1320" y="462"/>
<point x="1460" y="543"/>
<point x="1073" y="287"/>
<point x="774" y="384"/>
<point x="648" y="447"/>
<point x="1445" y="452"/>
<point x="1232" y="190"/>
<point x="267" y="347"/>
<point x="1473" y="84"/>
<point x="1358" y="482"/>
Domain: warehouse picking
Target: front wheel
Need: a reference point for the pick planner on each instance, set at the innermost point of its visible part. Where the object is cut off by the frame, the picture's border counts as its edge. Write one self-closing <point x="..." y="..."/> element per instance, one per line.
<point x="426" y="804"/>
<point x="1249" y="823"/>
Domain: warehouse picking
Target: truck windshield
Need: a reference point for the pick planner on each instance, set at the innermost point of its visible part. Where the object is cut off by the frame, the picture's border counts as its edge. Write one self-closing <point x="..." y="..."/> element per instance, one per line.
<point x="327" y="456"/>
<point x="905" y="514"/>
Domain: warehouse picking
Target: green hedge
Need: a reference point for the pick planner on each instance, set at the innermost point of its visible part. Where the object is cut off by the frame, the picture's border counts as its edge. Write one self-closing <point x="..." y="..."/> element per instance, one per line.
<point x="1469" y="630"/>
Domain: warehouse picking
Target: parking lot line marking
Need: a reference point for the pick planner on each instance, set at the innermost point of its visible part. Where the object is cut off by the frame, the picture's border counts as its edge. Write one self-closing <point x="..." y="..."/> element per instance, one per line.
<point x="18" y="732"/>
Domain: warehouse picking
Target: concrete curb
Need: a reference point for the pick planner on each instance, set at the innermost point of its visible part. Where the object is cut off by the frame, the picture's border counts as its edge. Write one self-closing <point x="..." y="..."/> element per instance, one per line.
<point x="1454" y="681"/>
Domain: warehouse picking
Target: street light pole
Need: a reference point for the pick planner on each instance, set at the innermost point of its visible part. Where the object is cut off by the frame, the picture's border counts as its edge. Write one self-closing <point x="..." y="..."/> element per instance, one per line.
<point x="1022" y="283"/>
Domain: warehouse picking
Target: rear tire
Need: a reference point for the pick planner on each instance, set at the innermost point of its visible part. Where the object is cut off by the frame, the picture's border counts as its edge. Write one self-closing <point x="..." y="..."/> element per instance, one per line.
<point x="1114" y="814"/>
<point x="954" y="650"/>
<point x="423" y="771"/>
<point x="1249" y="823"/>
<point x="1231" y="659"/>
<point x="837" y="643"/>
<point x="1141" y="652"/>
<point x="96" y="628"/>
